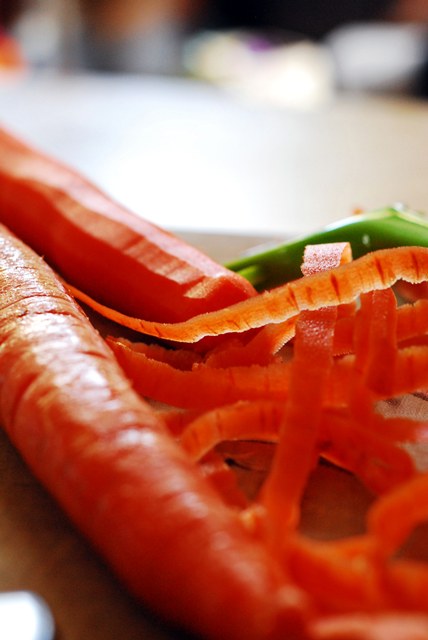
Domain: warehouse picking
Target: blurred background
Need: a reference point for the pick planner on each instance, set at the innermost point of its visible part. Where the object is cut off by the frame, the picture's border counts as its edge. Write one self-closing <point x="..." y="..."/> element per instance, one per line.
<point x="257" y="47"/>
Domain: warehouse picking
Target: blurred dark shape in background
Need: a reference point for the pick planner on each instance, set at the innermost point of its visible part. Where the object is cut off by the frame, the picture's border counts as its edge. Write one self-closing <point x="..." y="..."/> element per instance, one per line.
<point x="313" y="18"/>
<point x="10" y="10"/>
<point x="372" y="45"/>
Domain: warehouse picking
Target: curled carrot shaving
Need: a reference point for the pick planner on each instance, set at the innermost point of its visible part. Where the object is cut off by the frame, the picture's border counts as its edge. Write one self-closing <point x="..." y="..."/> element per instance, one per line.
<point x="202" y="387"/>
<point x="342" y="285"/>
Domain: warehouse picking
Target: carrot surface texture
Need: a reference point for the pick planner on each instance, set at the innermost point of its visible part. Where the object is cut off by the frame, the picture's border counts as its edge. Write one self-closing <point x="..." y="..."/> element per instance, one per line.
<point x="104" y="249"/>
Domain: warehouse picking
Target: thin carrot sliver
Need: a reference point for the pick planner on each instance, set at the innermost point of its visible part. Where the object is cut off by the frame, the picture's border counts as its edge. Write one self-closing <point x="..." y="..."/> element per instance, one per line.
<point x="296" y="451"/>
<point x="243" y="420"/>
<point x="311" y="364"/>
<point x="383" y="342"/>
<point x="373" y="456"/>
<point x="203" y="387"/>
<point x="377" y="270"/>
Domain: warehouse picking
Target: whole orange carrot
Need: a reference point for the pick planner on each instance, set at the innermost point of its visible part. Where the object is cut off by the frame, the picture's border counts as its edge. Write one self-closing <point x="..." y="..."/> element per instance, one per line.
<point x="112" y="466"/>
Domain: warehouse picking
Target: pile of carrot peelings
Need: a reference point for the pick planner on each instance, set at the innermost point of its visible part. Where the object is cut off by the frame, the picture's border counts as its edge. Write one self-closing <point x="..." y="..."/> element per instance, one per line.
<point x="329" y="369"/>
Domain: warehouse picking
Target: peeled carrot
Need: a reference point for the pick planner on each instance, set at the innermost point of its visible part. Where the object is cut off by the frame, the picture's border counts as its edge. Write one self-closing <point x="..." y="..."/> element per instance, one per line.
<point x="109" y="461"/>
<point x="101" y="247"/>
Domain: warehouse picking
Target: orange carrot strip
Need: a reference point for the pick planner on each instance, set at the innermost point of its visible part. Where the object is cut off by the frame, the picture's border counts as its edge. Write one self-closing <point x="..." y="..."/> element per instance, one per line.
<point x="411" y="371"/>
<point x="343" y="335"/>
<point x="118" y="474"/>
<point x="377" y="270"/>
<point x="412" y="322"/>
<point x="260" y="349"/>
<point x="183" y="359"/>
<point x="200" y="387"/>
<point x="411" y="374"/>
<point x="377" y="460"/>
<point x="362" y="398"/>
<point x="381" y="362"/>
<point x="203" y="387"/>
<point x="241" y="421"/>
<point x="325" y="257"/>
<point x="296" y="451"/>
<point x="312" y="361"/>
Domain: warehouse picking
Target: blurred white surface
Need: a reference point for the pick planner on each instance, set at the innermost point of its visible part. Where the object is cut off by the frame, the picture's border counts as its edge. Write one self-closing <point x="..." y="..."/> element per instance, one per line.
<point x="189" y="156"/>
<point x="379" y="57"/>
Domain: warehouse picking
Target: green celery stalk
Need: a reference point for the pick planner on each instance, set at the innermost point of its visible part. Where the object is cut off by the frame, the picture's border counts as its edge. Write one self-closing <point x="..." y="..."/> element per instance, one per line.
<point x="384" y="228"/>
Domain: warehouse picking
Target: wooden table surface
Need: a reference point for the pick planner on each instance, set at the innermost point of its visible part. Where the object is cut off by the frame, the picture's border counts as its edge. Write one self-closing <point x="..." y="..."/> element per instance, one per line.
<point x="191" y="158"/>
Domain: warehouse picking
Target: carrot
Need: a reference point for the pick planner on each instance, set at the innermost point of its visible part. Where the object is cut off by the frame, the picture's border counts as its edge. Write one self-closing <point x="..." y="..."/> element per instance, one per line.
<point x="181" y="359"/>
<point x="342" y="285"/>
<point x="412" y="324"/>
<point x="239" y="421"/>
<point x="202" y="387"/>
<point x="382" y="350"/>
<point x="103" y="248"/>
<point x="110" y="463"/>
<point x="378" y="460"/>
<point x="296" y="453"/>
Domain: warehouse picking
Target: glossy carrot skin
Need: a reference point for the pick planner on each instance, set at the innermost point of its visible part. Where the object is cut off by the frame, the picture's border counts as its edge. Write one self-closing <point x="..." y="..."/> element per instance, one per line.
<point x="104" y="249"/>
<point x="110" y="463"/>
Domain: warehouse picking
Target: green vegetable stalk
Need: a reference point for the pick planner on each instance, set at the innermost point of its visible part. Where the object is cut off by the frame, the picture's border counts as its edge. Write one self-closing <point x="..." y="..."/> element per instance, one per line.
<point x="380" y="229"/>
